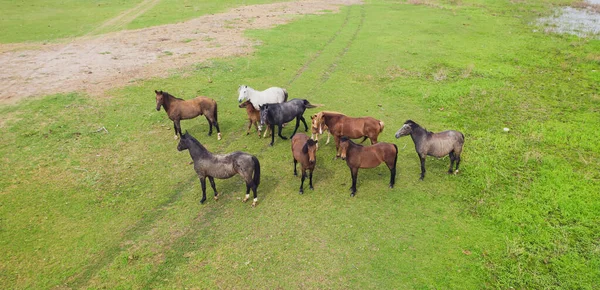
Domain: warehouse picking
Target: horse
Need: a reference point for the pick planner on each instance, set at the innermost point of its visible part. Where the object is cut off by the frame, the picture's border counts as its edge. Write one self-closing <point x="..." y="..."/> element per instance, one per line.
<point x="253" y="117"/>
<point x="179" y="109"/>
<point x="221" y="166"/>
<point x="271" y="95"/>
<point x="304" y="151"/>
<point x="341" y="125"/>
<point x="359" y="156"/>
<point x="318" y="129"/>
<point x="277" y="114"/>
<point x="434" y="144"/>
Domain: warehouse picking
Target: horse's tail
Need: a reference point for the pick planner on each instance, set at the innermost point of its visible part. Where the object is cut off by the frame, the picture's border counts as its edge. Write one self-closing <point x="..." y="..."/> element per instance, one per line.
<point x="256" y="177"/>
<point x="381" y="125"/>
<point x="216" y="113"/>
<point x="396" y="158"/>
<point x="285" y="95"/>
<point x="308" y="105"/>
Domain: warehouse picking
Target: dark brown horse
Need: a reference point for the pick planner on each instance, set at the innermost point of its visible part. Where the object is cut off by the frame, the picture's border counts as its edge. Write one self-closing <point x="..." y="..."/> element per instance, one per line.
<point x="341" y="125"/>
<point x="179" y="109"/>
<point x="434" y="144"/>
<point x="304" y="151"/>
<point x="359" y="156"/>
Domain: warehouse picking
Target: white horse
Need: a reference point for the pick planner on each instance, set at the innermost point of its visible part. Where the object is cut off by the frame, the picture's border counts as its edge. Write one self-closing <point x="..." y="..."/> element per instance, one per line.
<point x="257" y="98"/>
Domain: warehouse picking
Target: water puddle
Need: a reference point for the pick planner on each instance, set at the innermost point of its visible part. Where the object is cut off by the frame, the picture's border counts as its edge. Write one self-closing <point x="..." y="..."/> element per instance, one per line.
<point x="582" y="20"/>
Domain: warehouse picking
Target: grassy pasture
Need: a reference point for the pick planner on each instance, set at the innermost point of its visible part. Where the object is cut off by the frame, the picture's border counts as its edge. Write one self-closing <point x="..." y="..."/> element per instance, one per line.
<point x="83" y="208"/>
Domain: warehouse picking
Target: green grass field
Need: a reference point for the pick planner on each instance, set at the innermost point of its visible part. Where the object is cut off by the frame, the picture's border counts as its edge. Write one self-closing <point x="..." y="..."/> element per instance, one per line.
<point x="84" y="208"/>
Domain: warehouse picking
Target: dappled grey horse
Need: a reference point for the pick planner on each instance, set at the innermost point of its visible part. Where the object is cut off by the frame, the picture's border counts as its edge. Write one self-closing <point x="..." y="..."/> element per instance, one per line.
<point x="221" y="166"/>
<point x="278" y="114"/>
<point x="434" y="144"/>
<point x="271" y="95"/>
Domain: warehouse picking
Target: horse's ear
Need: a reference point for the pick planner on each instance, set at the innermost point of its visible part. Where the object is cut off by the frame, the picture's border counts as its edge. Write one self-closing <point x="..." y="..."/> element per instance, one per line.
<point x="156" y="92"/>
<point x="305" y="148"/>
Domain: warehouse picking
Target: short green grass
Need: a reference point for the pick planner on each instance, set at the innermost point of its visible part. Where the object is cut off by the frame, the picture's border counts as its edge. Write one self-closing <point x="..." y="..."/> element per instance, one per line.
<point x="84" y="207"/>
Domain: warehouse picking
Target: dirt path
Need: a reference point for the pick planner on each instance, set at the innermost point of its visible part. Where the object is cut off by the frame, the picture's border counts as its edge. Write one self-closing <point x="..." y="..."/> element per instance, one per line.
<point x="95" y="64"/>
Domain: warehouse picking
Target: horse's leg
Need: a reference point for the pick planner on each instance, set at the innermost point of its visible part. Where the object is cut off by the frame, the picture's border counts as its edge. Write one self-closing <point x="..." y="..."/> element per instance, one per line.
<point x="337" y="145"/>
<point x="218" y="130"/>
<point x="296" y="127"/>
<point x="251" y="185"/>
<point x="304" y="122"/>
<point x="451" y="162"/>
<point x="457" y="162"/>
<point x="302" y="181"/>
<point x="354" y="173"/>
<point x="295" y="162"/>
<point x="422" y="166"/>
<point x="310" y="180"/>
<point x="212" y="184"/>
<point x="203" y="185"/>
<point x="273" y="133"/>
<point x="365" y="138"/>
<point x="281" y="127"/>
<point x="177" y="127"/>
<point x="250" y="127"/>
<point x="328" y="136"/>
<point x="210" y="124"/>
<point x="392" y="175"/>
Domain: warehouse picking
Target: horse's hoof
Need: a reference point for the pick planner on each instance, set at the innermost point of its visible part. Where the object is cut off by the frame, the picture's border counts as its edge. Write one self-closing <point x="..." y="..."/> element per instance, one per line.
<point x="219" y="136"/>
<point x="391" y="186"/>
<point x="311" y="188"/>
<point x="254" y="203"/>
<point x="301" y="191"/>
<point x="456" y="172"/>
<point x="216" y="197"/>
<point x="352" y="194"/>
<point x="202" y="201"/>
<point x="271" y="144"/>
<point x="246" y="198"/>
<point x="175" y="137"/>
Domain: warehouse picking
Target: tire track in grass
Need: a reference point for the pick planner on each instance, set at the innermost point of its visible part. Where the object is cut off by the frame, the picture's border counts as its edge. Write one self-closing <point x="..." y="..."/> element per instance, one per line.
<point x="333" y="66"/>
<point x="81" y="278"/>
<point x="126" y="17"/>
<point x="319" y="52"/>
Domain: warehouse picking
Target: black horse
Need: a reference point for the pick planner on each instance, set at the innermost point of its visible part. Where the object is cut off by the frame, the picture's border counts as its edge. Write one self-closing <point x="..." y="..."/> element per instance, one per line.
<point x="278" y="114"/>
<point x="221" y="166"/>
<point x="434" y="144"/>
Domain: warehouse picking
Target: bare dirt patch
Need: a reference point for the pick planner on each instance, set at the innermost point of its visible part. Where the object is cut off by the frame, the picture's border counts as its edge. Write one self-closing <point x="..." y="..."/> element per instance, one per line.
<point x="95" y="64"/>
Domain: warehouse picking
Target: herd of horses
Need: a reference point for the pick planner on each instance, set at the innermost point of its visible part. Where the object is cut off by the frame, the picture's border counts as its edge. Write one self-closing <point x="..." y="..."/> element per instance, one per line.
<point x="271" y="108"/>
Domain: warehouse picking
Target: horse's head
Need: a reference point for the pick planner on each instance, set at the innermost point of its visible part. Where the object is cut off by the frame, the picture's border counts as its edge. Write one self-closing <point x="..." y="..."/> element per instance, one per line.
<point x="344" y="144"/>
<point x="243" y="91"/>
<point x="159" y="99"/>
<point x="183" y="142"/>
<point x="406" y="129"/>
<point x="310" y="148"/>
<point x="264" y="111"/>
<point x="317" y="123"/>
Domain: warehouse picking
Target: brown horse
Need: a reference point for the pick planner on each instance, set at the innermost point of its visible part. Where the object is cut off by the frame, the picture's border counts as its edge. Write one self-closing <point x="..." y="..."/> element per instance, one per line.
<point x="179" y="109"/>
<point x="341" y="125"/>
<point x="253" y="117"/>
<point x="304" y="151"/>
<point x="358" y="156"/>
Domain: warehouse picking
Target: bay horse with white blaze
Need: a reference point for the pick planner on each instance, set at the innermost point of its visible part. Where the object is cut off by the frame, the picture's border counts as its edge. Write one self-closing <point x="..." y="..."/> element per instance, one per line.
<point x="434" y="144"/>
<point x="179" y="109"/>
<point x="278" y="114"/>
<point x="359" y="156"/>
<point x="341" y="125"/>
<point x="304" y="151"/>
<point x="221" y="166"/>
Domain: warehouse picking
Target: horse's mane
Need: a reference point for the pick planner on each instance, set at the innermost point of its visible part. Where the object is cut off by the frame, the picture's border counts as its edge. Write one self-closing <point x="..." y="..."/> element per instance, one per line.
<point x="174" y="97"/>
<point x="330" y="112"/>
<point x="344" y="138"/>
<point x="413" y="123"/>
<point x="193" y="140"/>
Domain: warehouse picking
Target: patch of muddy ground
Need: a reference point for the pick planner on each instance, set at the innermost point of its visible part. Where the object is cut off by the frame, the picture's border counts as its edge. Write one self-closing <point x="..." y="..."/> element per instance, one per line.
<point x="581" y="19"/>
<point x="95" y="64"/>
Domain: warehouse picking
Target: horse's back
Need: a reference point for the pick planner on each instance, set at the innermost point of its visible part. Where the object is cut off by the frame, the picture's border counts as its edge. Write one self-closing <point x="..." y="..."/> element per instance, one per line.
<point x="442" y="143"/>
<point x="298" y="142"/>
<point x="272" y="95"/>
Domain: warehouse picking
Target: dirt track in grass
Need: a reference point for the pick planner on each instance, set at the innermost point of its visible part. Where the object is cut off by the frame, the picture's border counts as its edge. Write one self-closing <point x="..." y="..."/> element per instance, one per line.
<point x="94" y="64"/>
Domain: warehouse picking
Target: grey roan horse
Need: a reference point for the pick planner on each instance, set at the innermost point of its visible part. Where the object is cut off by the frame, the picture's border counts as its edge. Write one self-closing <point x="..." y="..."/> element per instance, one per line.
<point x="221" y="166"/>
<point x="434" y="144"/>
<point x="278" y="114"/>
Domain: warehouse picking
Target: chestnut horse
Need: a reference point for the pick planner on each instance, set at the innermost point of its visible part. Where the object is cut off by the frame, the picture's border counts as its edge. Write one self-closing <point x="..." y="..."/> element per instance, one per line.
<point x="253" y="117"/>
<point x="359" y="156"/>
<point x="179" y="109"/>
<point x="341" y="125"/>
<point x="304" y="151"/>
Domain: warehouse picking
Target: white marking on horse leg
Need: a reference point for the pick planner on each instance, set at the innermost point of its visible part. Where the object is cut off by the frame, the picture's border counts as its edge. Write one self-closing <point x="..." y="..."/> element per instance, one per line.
<point x="456" y="171"/>
<point x="246" y="198"/>
<point x="217" y="196"/>
<point x="219" y="136"/>
<point x="254" y="202"/>
<point x="175" y="136"/>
